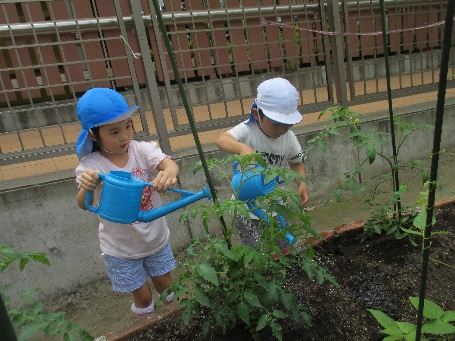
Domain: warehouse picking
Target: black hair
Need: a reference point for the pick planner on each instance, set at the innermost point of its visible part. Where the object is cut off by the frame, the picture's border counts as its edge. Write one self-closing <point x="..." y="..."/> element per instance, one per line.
<point x="96" y="134"/>
<point x="261" y="113"/>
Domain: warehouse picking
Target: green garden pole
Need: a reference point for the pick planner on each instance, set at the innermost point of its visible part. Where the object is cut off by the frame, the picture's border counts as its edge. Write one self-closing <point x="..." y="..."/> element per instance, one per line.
<point x="447" y="42"/>
<point x="389" y="97"/>
<point x="188" y="113"/>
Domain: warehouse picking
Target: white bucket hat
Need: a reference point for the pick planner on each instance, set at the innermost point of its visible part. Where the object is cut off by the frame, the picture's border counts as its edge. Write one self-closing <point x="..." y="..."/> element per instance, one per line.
<point x="278" y="100"/>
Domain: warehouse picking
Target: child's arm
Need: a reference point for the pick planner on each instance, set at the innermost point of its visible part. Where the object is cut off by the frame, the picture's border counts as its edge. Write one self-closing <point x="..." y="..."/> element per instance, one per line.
<point x="301" y="185"/>
<point x="226" y="142"/>
<point x="89" y="180"/>
<point x="167" y="175"/>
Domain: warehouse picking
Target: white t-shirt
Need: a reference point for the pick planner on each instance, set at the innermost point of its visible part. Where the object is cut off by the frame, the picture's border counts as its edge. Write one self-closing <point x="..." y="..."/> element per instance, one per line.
<point x="139" y="239"/>
<point x="277" y="152"/>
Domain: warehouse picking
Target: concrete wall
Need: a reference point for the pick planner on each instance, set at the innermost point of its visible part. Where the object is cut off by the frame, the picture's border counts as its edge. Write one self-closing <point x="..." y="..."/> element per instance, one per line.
<point x="40" y="214"/>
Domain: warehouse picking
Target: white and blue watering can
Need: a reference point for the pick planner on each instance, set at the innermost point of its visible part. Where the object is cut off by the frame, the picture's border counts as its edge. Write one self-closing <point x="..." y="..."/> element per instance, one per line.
<point x="250" y="185"/>
<point x="121" y="199"/>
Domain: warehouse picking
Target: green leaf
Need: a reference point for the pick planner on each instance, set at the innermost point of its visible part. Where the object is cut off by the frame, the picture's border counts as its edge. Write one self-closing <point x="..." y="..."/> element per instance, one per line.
<point x="411" y="231"/>
<point x="437" y="327"/>
<point x="411" y="336"/>
<point x="199" y="295"/>
<point x="252" y="299"/>
<point x="187" y="311"/>
<point x="23" y="263"/>
<point x="28" y="331"/>
<point x="320" y="275"/>
<point x="448" y="316"/>
<point x="393" y="331"/>
<point x="197" y="167"/>
<point x="40" y="257"/>
<point x="420" y="221"/>
<point x="288" y="301"/>
<point x="384" y="320"/>
<point x="222" y="247"/>
<point x="207" y="272"/>
<point x="263" y="321"/>
<point x="244" y="312"/>
<point x="406" y="327"/>
<point x="430" y="310"/>
<point x="276" y="330"/>
<point x="37" y="308"/>
<point x="370" y="150"/>
<point x="425" y="176"/>
<point x="272" y="293"/>
<point x="279" y="314"/>
<point x="393" y="338"/>
<point x="206" y="326"/>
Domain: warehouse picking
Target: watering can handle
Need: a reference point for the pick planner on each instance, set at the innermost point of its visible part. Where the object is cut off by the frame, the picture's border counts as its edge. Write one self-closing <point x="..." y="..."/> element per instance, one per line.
<point x="183" y="193"/>
<point x="88" y="197"/>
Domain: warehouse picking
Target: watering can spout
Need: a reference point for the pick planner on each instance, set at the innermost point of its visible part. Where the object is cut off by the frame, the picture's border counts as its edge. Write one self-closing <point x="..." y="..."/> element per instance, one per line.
<point x="249" y="187"/>
<point x="187" y="198"/>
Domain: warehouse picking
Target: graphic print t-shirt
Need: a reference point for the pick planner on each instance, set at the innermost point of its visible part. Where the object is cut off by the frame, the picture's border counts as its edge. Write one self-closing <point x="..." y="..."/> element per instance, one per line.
<point x="139" y="239"/>
<point x="276" y="152"/>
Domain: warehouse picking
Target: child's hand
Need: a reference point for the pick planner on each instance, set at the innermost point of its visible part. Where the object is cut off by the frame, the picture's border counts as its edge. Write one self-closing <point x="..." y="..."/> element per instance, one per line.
<point x="163" y="180"/>
<point x="90" y="179"/>
<point x="167" y="175"/>
<point x="246" y="150"/>
<point x="303" y="193"/>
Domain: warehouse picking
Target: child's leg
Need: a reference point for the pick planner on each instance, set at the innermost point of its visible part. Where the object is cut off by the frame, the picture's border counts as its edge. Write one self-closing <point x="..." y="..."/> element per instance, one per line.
<point x="159" y="267"/>
<point x="143" y="296"/>
<point x="160" y="283"/>
<point x="129" y="275"/>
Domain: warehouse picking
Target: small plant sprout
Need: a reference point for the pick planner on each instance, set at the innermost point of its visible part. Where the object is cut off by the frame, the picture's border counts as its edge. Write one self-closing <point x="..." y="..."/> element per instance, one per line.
<point x="30" y="318"/>
<point x="384" y="202"/>
<point x="439" y="323"/>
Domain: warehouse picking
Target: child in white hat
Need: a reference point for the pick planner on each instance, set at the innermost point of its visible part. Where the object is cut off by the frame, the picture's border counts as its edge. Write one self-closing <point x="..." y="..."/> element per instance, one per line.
<point x="267" y="132"/>
<point x="132" y="252"/>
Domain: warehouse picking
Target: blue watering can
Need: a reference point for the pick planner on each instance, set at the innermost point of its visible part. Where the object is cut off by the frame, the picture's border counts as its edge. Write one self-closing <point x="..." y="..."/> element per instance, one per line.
<point x="121" y="199"/>
<point x="250" y="185"/>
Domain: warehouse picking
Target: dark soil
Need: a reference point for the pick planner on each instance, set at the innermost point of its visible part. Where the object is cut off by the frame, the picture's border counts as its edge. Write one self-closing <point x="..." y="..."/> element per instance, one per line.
<point x="381" y="273"/>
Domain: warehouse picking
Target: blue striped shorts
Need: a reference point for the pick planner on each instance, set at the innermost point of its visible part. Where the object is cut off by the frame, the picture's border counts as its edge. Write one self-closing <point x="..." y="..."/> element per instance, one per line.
<point x="127" y="275"/>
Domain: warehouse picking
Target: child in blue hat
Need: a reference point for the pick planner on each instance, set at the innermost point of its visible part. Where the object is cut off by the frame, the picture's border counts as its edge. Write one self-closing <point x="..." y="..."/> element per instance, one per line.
<point x="132" y="252"/>
<point x="266" y="132"/>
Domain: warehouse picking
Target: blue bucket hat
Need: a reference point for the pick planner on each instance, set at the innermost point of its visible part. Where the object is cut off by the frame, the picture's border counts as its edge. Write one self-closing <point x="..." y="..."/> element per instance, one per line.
<point x="99" y="106"/>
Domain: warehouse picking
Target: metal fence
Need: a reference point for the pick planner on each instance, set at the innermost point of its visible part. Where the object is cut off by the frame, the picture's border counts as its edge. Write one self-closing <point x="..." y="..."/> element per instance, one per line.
<point x="53" y="51"/>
